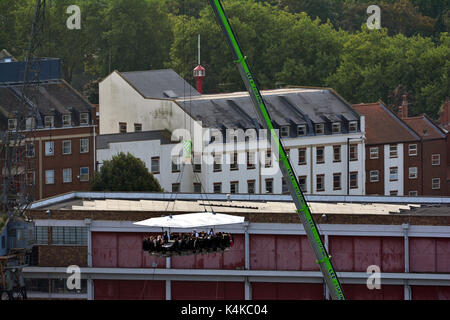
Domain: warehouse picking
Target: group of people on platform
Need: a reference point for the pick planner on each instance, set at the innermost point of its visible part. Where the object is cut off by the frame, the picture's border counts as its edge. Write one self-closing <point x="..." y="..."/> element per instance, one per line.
<point x="188" y="243"/>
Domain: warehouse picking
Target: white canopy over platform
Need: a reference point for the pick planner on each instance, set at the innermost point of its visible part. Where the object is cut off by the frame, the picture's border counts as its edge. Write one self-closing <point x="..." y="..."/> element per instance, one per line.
<point x="191" y="220"/>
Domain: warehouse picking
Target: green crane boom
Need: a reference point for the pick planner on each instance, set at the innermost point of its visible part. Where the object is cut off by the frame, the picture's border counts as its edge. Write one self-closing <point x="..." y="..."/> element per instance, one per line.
<point x="323" y="259"/>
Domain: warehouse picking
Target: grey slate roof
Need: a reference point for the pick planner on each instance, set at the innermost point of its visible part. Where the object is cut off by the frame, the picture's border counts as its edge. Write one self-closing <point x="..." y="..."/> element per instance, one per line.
<point x="159" y="84"/>
<point x="104" y="140"/>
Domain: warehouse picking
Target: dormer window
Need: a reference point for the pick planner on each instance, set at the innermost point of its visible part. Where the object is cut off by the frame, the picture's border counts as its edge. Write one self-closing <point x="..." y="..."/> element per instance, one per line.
<point x="301" y="130"/>
<point x="336" y="127"/>
<point x="67" y="120"/>
<point x="30" y="123"/>
<point x="353" y="126"/>
<point x="285" y="131"/>
<point x="49" y="121"/>
<point x="84" y="119"/>
<point x="320" y="128"/>
<point x="12" y="124"/>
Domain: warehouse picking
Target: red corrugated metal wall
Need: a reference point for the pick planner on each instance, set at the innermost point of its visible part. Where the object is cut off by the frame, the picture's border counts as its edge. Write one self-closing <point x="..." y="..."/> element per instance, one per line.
<point x="287" y="291"/>
<point x="129" y="290"/>
<point x="191" y="290"/>
<point x="429" y="255"/>
<point x="430" y="293"/>
<point x="361" y="292"/>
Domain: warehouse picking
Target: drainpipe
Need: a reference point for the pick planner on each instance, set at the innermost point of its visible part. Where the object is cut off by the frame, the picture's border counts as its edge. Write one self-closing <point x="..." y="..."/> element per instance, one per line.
<point x="90" y="283"/>
<point x="248" y="286"/>
<point x="407" y="287"/>
<point x="168" y="282"/>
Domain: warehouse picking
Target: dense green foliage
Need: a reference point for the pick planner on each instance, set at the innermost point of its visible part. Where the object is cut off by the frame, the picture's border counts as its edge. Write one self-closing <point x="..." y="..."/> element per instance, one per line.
<point x="124" y="172"/>
<point x="287" y="42"/>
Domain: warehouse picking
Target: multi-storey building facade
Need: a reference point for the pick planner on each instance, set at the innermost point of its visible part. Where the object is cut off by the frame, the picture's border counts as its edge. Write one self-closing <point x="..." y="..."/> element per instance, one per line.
<point x="323" y="134"/>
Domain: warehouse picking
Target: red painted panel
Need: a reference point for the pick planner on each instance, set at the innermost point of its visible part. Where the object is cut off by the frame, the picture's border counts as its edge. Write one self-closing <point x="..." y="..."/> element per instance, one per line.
<point x="286" y="291"/>
<point x="443" y="255"/>
<point x="288" y="252"/>
<point x="341" y="251"/>
<point x="422" y="256"/>
<point x="308" y="258"/>
<point x="430" y="293"/>
<point x="183" y="262"/>
<point x="106" y="290"/>
<point x="367" y="252"/>
<point x="104" y="249"/>
<point x="361" y="292"/>
<point x="262" y="252"/>
<point x="264" y="291"/>
<point x="130" y="250"/>
<point x="142" y="290"/>
<point x="199" y="290"/>
<point x="235" y="257"/>
<point x="393" y="255"/>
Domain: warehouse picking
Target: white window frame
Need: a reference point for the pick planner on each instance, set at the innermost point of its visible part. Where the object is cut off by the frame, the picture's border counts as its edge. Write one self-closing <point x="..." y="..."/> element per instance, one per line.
<point x="236" y="187"/>
<point x="12" y="124"/>
<point x="412" y="150"/>
<point x="64" y="146"/>
<point x="266" y="184"/>
<point x="30" y="123"/>
<point x="393" y="154"/>
<point x="371" y="175"/>
<point x="336" y="125"/>
<point x="319" y="128"/>
<point x="284" y="131"/>
<point x="50" y="148"/>
<point x="49" y="121"/>
<point x="301" y="128"/>
<point x="436" y="159"/>
<point x="65" y="175"/>
<point x="435" y="181"/>
<point x="49" y="176"/>
<point x="82" y="176"/>
<point x="153" y="165"/>
<point x="413" y="193"/>
<point x="372" y="152"/>
<point x="84" y="148"/>
<point x="84" y="119"/>
<point x="67" y="120"/>
<point x="353" y="126"/>
<point x="391" y="174"/>
<point x="413" y="172"/>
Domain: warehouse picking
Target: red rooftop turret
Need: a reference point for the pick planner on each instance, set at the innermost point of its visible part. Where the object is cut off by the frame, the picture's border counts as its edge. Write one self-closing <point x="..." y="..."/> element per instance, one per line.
<point x="199" y="75"/>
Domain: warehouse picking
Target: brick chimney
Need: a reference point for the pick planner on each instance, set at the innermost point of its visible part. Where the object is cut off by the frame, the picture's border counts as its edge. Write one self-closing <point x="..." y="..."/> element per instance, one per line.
<point x="403" y="109"/>
<point x="445" y="112"/>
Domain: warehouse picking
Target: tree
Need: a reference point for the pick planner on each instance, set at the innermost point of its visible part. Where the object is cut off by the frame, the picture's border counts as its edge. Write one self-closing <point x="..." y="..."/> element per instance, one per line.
<point x="125" y="173"/>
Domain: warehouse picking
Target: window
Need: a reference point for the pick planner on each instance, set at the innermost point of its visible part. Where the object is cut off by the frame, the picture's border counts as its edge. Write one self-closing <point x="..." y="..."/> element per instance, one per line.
<point x="234" y="187"/>
<point x="353" y="180"/>
<point x="320" y="182"/>
<point x="155" y="165"/>
<point x="436" y="183"/>
<point x="320" y="157"/>
<point x="217" y="162"/>
<point x="30" y="123"/>
<point x="393" y="174"/>
<point x="268" y="162"/>
<point x="175" y="187"/>
<point x="84" y="174"/>
<point x="217" y="187"/>
<point x="336" y="127"/>
<point x="12" y="124"/>
<point x="84" y="145"/>
<point x="67" y="120"/>
<point x="84" y="119"/>
<point x="374" y="176"/>
<point x="285" y="131"/>
<point x="320" y="128"/>
<point x="302" y="183"/>
<point x="284" y="187"/>
<point x="197" y="163"/>
<point x="30" y="150"/>
<point x="393" y="152"/>
<point x="302" y="156"/>
<point x="41" y="235"/>
<point x="137" y="127"/>
<point x="373" y="153"/>
<point x="393" y="193"/>
<point x="436" y="159"/>
<point x="251" y="164"/>
<point x="301" y="130"/>
<point x="175" y="164"/>
<point x="69" y="236"/>
<point x="49" y="148"/>
<point x="49" y="121"/>
<point x="251" y="186"/>
<point x="197" y="188"/>
<point x="413" y="193"/>
<point x="413" y="173"/>
<point x="337" y="181"/>
<point x="67" y="175"/>
<point x="67" y="147"/>
<point x="234" y="161"/>
<point x="336" y="153"/>
<point x="412" y="150"/>
<point x="353" y="152"/>
<point x="352" y="126"/>
<point x="49" y="176"/>
<point x="269" y="185"/>
<point x="122" y="127"/>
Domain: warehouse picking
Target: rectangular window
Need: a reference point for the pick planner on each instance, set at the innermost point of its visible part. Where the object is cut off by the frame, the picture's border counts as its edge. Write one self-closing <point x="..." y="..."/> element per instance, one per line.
<point x="84" y="119"/>
<point x="49" y="176"/>
<point x="137" y="127"/>
<point x="302" y="156"/>
<point x="197" y="188"/>
<point x="336" y="153"/>
<point x="268" y="160"/>
<point x="302" y="183"/>
<point x="320" y="128"/>
<point x="155" y="165"/>
<point x="353" y="152"/>
<point x="354" y="180"/>
<point x="175" y="187"/>
<point x="412" y="150"/>
<point x="413" y="173"/>
<point x="352" y="126"/>
<point x="393" y="193"/>
<point x="84" y="174"/>
<point x="67" y="175"/>
<point x="84" y="145"/>
<point x="285" y="131"/>
<point x="12" y="124"/>
<point x="393" y="174"/>
<point x="67" y="120"/>
<point x="413" y="193"/>
<point x="217" y="162"/>
<point x="373" y="153"/>
<point x="197" y="163"/>
<point x="30" y="150"/>
<point x="336" y="127"/>
<point x="234" y="187"/>
<point x="122" y="127"/>
<point x="284" y="187"/>
<point x="269" y="185"/>
<point x="337" y="181"/>
<point x="393" y="152"/>
<point x="301" y="130"/>
<point x="436" y="159"/>
<point x="217" y="187"/>
<point x="251" y="163"/>
<point x="176" y="164"/>
<point x="251" y="186"/>
<point x="30" y="123"/>
<point x="67" y="147"/>
<point x="234" y="161"/>
<point x="49" y="121"/>
<point x="49" y="148"/>
<point x="436" y="183"/>
<point x="320" y="155"/>
<point x="320" y="182"/>
<point x="374" y="176"/>
<point x="41" y="235"/>
<point x="69" y="236"/>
